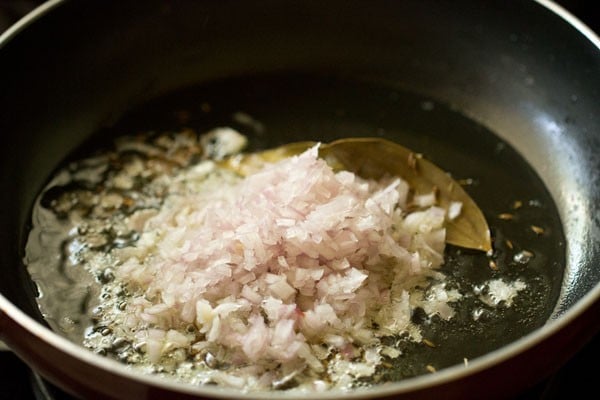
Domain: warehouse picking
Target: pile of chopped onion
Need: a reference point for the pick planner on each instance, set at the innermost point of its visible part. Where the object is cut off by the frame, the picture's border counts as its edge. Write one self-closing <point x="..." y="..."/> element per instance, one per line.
<point x="294" y="271"/>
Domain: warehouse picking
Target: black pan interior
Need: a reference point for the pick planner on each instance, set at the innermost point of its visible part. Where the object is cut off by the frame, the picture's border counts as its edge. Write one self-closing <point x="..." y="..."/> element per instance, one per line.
<point x="477" y="96"/>
<point x="276" y="109"/>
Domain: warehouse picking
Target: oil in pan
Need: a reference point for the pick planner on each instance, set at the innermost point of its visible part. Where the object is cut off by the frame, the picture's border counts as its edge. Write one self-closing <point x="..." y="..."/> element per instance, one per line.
<point x="529" y="251"/>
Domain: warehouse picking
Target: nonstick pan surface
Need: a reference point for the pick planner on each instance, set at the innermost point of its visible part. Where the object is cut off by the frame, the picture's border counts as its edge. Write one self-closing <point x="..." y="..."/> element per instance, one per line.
<point x="495" y="101"/>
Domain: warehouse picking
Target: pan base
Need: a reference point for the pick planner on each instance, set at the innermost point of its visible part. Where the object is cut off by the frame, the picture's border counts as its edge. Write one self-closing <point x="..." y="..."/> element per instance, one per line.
<point x="528" y="238"/>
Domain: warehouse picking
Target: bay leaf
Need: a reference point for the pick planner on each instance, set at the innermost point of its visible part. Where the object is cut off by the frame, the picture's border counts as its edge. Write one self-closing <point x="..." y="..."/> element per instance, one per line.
<point x="245" y="164"/>
<point x="374" y="158"/>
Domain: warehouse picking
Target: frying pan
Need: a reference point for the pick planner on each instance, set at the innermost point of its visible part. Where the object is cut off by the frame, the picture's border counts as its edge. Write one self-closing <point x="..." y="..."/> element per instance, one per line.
<point x="503" y="92"/>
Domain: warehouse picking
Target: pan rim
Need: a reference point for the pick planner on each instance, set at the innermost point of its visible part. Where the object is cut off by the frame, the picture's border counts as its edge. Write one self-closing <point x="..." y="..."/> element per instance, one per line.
<point x="453" y="373"/>
<point x="28" y="19"/>
<point x="572" y="20"/>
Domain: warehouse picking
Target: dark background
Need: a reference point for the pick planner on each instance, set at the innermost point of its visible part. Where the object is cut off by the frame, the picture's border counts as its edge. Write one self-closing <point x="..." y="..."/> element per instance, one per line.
<point x="574" y="378"/>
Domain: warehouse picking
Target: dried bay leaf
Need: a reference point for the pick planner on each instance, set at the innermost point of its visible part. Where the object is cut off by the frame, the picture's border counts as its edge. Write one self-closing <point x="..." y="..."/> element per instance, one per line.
<point x="248" y="163"/>
<point x="375" y="158"/>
